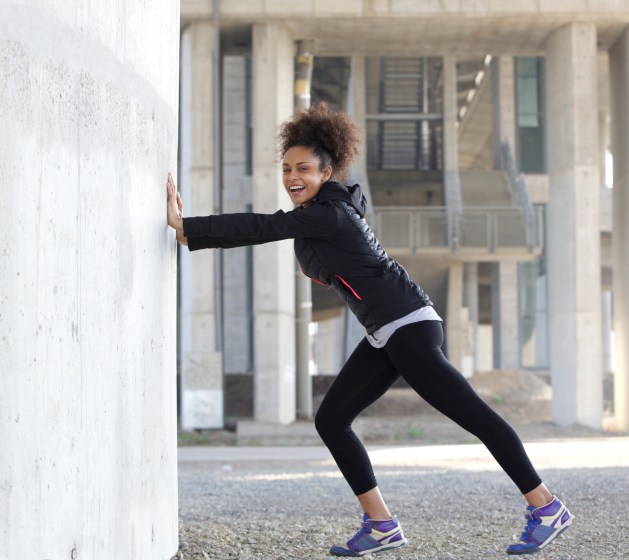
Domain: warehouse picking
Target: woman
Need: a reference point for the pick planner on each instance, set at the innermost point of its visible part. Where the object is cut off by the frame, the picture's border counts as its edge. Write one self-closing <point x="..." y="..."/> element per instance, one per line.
<point x="335" y="246"/>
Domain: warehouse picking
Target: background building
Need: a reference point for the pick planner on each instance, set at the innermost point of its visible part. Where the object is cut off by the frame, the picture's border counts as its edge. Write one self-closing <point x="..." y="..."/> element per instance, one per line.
<point x="494" y="132"/>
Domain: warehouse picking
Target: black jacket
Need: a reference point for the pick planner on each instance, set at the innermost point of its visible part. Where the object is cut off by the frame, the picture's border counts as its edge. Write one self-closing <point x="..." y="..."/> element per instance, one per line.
<point x="334" y="246"/>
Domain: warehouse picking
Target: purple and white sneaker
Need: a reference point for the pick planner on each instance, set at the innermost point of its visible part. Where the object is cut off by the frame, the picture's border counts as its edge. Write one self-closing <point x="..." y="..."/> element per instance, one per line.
<point x="373" y="536"/>
<point x="542" y="526"/>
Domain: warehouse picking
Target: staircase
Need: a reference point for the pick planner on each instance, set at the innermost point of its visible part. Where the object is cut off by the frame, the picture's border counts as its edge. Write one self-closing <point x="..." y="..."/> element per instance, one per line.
<point x="408" y="139"/>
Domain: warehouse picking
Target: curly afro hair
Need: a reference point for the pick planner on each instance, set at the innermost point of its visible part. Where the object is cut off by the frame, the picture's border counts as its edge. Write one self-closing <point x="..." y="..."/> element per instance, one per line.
<point x="333" y="136"/>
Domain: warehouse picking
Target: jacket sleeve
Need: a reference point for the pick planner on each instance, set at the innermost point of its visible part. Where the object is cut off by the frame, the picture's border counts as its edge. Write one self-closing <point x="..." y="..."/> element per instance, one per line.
<point x="318" y="221"/>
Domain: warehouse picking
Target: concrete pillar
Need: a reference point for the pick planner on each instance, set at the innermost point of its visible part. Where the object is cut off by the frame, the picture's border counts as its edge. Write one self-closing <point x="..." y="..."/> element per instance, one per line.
<point x="619" y="90"/>
<point x="274" y="263"/>
<point x="304" y="62"/>
<point x="354" y="332"/>
<point x="451" y="180"/>
<point x="505" y="315"/>
<point x="237" y="262"/>
<point x="603" y="115"/>
<point x="574" y="282"/>
<point x="88" y="132"/>
<point x="470" y="301"/>
<point x="504" y="119"/>
<point x="454" y="322"/>
<point x="200" y="360"/>
<point x="357" y="108"/>
<point x="453" y="200"/>
<point x="504" y="287"/>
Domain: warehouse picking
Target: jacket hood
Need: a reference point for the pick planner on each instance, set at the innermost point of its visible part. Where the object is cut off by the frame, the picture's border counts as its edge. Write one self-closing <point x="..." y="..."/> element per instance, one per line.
<point x="352" y="195"/>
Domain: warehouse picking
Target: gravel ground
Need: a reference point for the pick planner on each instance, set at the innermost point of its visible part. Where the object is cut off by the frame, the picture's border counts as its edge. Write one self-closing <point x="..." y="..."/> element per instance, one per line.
<point x="452" y="501"/>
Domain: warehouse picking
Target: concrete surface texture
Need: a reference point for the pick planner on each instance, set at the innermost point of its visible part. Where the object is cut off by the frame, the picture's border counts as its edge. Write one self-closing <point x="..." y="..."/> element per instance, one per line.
<point x="88" y="131"/>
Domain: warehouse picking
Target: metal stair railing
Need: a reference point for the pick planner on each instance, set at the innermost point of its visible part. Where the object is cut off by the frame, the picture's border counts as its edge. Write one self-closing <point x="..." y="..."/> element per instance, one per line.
<point x="481" y="229"/>
<point x="521" y="196"/>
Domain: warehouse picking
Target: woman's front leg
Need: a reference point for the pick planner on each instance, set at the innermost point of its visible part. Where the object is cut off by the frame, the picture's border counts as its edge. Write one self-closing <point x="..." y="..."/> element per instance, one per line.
<point x="365" y="377"/>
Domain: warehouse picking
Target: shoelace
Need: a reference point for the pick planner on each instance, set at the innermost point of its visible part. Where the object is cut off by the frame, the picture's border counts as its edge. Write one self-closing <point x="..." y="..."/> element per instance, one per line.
<point x="532" y="522"/>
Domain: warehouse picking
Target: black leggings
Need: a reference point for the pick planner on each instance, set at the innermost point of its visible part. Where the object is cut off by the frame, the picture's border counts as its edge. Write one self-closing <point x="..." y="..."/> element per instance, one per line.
<point x="414" y="352"/>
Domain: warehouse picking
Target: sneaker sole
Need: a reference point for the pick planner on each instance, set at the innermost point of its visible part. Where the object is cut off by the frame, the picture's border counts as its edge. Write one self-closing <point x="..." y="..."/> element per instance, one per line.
<point x="353" y="554"/>
<point x="546" y="542"/>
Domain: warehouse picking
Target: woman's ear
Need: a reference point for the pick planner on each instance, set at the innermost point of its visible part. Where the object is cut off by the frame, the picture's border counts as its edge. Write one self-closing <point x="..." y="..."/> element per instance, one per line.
<point x="327" y="172"/>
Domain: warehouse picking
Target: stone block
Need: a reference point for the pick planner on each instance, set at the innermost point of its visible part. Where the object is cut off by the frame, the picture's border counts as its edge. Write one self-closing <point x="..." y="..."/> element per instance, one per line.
<point x="202" y="409"/>
<point x="202" y="371"/>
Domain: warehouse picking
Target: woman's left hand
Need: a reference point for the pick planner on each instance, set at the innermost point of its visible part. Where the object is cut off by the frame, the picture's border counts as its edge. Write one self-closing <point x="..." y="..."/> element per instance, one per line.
<point x="175" y="209"/>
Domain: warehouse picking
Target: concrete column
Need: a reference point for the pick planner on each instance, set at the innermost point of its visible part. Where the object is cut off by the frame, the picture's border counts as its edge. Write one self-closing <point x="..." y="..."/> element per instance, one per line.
<point x="304" y="63"/>
<point x="88" y="131"/>
<point x="505" y="315"/>
<point x="274" y="263"/>
<point x="603" y="115"/>
<point x="357" y="108"/>
<point x="574" y="283"/>
<point x="470" y="301"/>
<point x="619" y="90"/>
<point x="453" y="201"/>
<point x="354" y="332"/>
<point x="451" y="180"/>
<point x="454" y="322"/>
<point x="237" y="265"/>
<point x="200" y="361"/>
<point x="504" y="118"/>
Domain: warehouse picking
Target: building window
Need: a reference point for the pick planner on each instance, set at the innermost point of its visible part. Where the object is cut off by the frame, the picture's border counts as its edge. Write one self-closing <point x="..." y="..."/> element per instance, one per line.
<point x="529" y="88"/>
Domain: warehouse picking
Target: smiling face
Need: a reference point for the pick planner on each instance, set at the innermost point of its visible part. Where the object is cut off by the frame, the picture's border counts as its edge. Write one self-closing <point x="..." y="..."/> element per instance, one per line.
<point x="302" y="175"/>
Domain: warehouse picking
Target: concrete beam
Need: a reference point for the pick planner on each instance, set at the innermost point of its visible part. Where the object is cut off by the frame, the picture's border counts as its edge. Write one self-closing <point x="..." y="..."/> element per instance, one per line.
<point x="426" y="28"/>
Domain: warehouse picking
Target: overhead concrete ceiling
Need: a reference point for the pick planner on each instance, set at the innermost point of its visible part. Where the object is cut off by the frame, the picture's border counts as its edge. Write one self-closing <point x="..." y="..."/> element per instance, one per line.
<point x="416" y="28"/>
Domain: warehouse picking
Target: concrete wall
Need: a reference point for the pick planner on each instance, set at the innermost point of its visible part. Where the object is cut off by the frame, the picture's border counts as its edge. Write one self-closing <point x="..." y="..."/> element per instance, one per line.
<point x="88" y="131"/>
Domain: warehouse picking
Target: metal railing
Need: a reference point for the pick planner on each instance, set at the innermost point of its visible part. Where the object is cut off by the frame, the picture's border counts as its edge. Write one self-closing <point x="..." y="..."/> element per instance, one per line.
<point x="482" y="229"/>
<point x="518" y="187"/>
